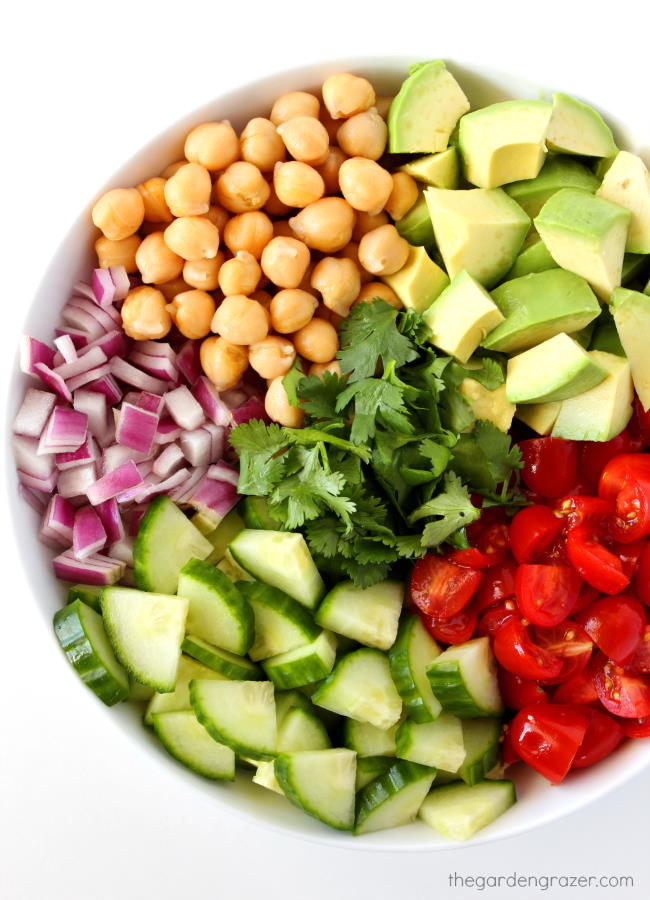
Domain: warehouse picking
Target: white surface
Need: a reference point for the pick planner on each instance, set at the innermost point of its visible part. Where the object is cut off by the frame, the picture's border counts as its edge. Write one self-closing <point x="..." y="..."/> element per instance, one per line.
<point x="68" y="812"/>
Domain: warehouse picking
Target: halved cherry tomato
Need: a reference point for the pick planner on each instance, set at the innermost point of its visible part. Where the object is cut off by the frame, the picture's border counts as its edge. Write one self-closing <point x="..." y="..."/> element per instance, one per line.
<point x="495" y="616"/>
<point x="519" y="692"/>
<point x="490" y="550"/>
<point x="568" y="642"/>
<point x="594" y="562"/>
<point x="620" y="693"/>
<point x="515" y="650"/>
<point x="532" y="531"/>
<point x="546" y="595"/>
<point x="629" y="555"/>
<point x="439" y="588"/>
<point x="579" y="689"/>
<point x="592" y="511"/>
<point x="616" y="625"/>
<point x="603" y="735"/>
<point x="456" y="629"/>
<point x="587" y="596"/>
<point x="498" y="584"/>
<point x="550" y="465"/>
<point x="626" y="482"/>
<point x="547" y="736"/>
<point x="640" y="662"/>
<point x="635" y="728"/>
<point x="620" y="471"/>
<point x="642" y="578"/>
<point x="594" y="456"/>
<point x="509" y="755"/>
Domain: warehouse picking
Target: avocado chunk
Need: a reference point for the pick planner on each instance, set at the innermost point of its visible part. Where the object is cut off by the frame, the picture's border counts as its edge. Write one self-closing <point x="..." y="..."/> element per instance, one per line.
<point x="578" y="128"/>
<point x="541" y="417"/>
<point x="556" y="369"/>
<point x="534" y="258"/>
<point x="627" y="183"/>
<point x="586" y="235"/>
<point x="493" y="406"/>
<point x="425" y="111"/>
<point x="479" y="231"/>
<point x="631" y="311"/>
<point x="461" y="317"/>
<point x="557" y="172"/>
<point x="604" y="411"/>
<point x="436" y="169"/>
<point x="419" y="282"/>
<point x="606" y="338"/>
<point x="504" y="142"/>
<point x="415" y="227"/>
<point x="538" y="306"/>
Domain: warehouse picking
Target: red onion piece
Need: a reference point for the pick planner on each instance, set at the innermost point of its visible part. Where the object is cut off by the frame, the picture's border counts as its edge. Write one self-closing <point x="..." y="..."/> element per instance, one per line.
<point x="32" y="499"/>
<point x="83" y="289"/>
<point x="151" y="402"/>
<point x="252" y="409"/>
<point x="44" y="484"/>
<point x="152" y="488"/>
<point x="65" y="345"/>
<point x="57" y="523"/>
<point x="221" y="471"/>
<point x="184" y="409"/>
<point x="113" y="483"/>
<point x="78" y="338"/>
<point x="116" y="455"/>
<point x="65" y="431"/>
<point x="91" y="359"/>
<point x="217" y="440"/>
<point x="93" y="405"/>
<point x="235" y="397"/>
<point x="127" y="373"/>
<point x="136" y="428"/>
<point x="107" y="386"/>
<point x="168" y="461"/>
<point x="99" y="569"/>
<point x="88" y="535"/>
<point x="78" y="381"/>
<point x="103" y="287"/>
<point x="157" y="366"/>
<point x="112" y="344"/>
<point x="75" y="482"/>
<point x="120" y="281"/>
<point x="82" y="320"/>
<point x="111" y="518"/>
<point x="87" y="453"/>
<point x="189" y="362"/>
<point x="211" y="403"/>
<point x="32" y="352"/>
<point x="133" y="518"/>
<point x="34" y="412"/>
<point x="29" y="460"/>
<point x="196" y="446"/>
<point x="184" y="492"/>
<point x="168" y="431"/>
<point x="122" y="550"/>
<point x="107" y="317"/>
<point x="214" y="499"/>
<point x="52" y="380"/>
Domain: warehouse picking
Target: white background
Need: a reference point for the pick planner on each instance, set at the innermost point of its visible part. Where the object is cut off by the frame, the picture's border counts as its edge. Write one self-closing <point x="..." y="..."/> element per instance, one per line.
<point x="83" y="86"/>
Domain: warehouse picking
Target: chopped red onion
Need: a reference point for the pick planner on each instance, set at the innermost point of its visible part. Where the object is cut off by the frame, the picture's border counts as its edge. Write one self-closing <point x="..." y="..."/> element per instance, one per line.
<point x="57" y="522"/>
<point x="116" y="455"/>
<point x="65" y="345"/>
<point x="29" y="460"/>
<point x="93" y="405"/>
<point x="134" y="516"/>
<point x="214" y="499"/>
<point x="157" y="366"/>
<point x="103" y="287"/>
<point x="91" y="359"/>
<point x="32" y="499"/>
<point x="253" y="408"/>
<point x="235" y="397"/>
<point x="52" y="380"/>
<point x="45" y="484"/>
<point x="196" y="446"/>
<point x="85" y="454"/>
<point x="78" y="381"/>
<point x="211" y="403"/>
<point x="189" y="362"/>
<point x="78" y="338"/>
<point x="82" y="320"/>
<point x="120" y="281"/>
<point x="168" y="461"/>
<point x="151" y="488"/>
<point x="111" y="518"/>
<point x="34" y="412"/>
<point x="217" y="440"/>
<point x="127" y="373"/>
<point x="65" y="431"/>
<point x="99" y="569"/>
<point x="88" y="535"/>
<point x="221" y="471"/>
<point x="168" y="431"/>
<point x="112" y="344"/>
<point x="136" y="428"/>
<point x="151" y="402"/>
<point x="122" y="550"/>
<point x="83" y="289"/>
<point x="113" y="483"/>
<point x="107" y="317"/>
<point x="184" y="492"/>
<point x="33" y="352"/>
<point x="107" y="386"/>
<point x="184" y="409"/>
<point x="75" y="482"/>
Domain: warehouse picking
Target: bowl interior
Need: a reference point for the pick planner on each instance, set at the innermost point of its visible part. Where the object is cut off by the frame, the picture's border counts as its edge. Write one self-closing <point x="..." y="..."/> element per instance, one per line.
<point x="538" y="802"/>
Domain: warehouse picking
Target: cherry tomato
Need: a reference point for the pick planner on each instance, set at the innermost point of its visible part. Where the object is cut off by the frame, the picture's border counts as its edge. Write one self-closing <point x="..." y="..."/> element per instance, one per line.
<point x="519" y="692"/>
<point x="456" y="629"/>
<point x="579" y="689"/>
<point x="550" y="465"/>
<point x="616" y="625"/>
<point x="587" y="596"/>
<point x="591" y="511"/>
<point x="547" y="736"/>
<point x="620" y="471"/>
<point x="635" y="728"/>
<point x="509" y="755"/>
<point x="629" y="555"/>
<point x="498" y="584"/>
<point x="639" y="426"/>
<point x="515" y="650"/>
<point x="490" y="550"/>
<point x="594" y="456"/>
<point x="620" y="693"/>
<point x="642" y="579"/>
<point x="640" y="662"/>
<point x="495" y="616"/>
<point x="568" y="642"/>
<point x="439" y="588"/>
<point x="626" y="482"/>
<point x="603" y="735"/>
<point x="594" y="562"/>
<point x="532" y="531"/>
<point x="546" y="594"/>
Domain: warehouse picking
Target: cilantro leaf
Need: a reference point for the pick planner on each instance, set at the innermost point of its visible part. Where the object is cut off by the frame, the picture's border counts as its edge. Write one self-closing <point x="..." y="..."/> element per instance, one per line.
<point x="311" y="490"/>
<point x="261" y="465"/>
<point x="291" y="381"/>
<point x="453" y="509"/>
<point x="319" y="395"/>
<point x="374" y="398"/>
<point x="437" y="454"/>
<point x="486" y="457"/>
<point x="370" y="334"/>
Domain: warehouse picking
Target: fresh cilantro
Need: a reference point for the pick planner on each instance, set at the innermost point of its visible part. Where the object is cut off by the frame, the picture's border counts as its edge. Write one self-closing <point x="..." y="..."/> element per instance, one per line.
<point x="291" y="381"/>
<point x="453" y="509"/>
<point x="373" y="399"/>
<point x="370" y="334"/>
<point x="319" y="394"/>
<point x="486" y="458"/>
<point x="310" y="491"/>
<point x="260" y="449"/>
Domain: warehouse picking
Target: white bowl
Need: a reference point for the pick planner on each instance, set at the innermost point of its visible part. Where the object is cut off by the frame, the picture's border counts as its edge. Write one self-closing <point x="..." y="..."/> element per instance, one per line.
<point x="538" y="802"/>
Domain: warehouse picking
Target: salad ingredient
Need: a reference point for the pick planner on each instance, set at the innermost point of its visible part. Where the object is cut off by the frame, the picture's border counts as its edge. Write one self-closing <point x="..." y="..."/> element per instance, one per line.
<point x="325" y="225"/>
<point x="631" y="310"/>
<point x="368" y="615"/>
<point x="240" y="320"/>
<point x="363" y="135"/>
<point x="119" y="213"/>
<point x="403" y="195"/>
<point x="306" y="139"/>
<point x="365" y="184"/>
<point x="239" y="714"/>
<point x="550" y="466"/>
<point x="261" y="145"/>
<point x="278" y="407"/>
<point x="577" y="128"/>
<point x="192" y="312"/>
<point x="293" y="104"/>
<point x="548" y="737"/>
<point x="224" y="363"/>
<point x="382" y="251"/>
<point x="532" y="193"/>
<point x="230" y="665"/>
<point x="297" y="184"/>
<point x="627" y="183"/>
<point x="602" y="737"/>
<point x="217" y="611"/>
<point x="282" y="560"/>
<point x="436" y="169"/>
<point x="182" y="735"/>
<point x="249" y="231"/>
<point x="519" y="654"/>
<point x="320" y="782"/>
<point x="291" y="309"/>
<point x="192" y="237"/>
<point x="156" y="262"/>
<point x="117" y="253"/>
<point x="213" y="145"/>
<point x="345" y="95"/>
<point x="441" y="589"/>
<point x="187" y="191"/>
<point x="239" y="275"/>
<point x="361" y="687"/>
<point x="460" y="810"/>
<point x="368" y="740"/>
<point x="394" y="798"/>
<point x="281" y="623"/>
<point x="370" y="768"/>
<point x="532" y="531"/>
<point x="415" y="226"/>
<point x="417" y="284"/>
<point x="241" y="188"/>
<point x="304" y="665"/>
<point x="338" y="282"/>
<point x="179" y="698"/>
<point x="463" y="679"/>
<point x="556" y="369"/>
<point x="285" y="261"/>
<point x="597" y="565"/>
<point x="437" y="744"/>
<point x="621" y="693"/>
<point x="301" y="729"/>
<point x="616" y="625"/>
<point x="413" y="651"/>
<point x="603" y="412"/>
<point x="547" y="594"/>
<point x="481" y="741"/>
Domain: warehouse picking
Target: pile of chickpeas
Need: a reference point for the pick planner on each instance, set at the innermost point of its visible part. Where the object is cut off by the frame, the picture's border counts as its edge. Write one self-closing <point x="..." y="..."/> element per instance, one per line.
<point x="260" y="244"/>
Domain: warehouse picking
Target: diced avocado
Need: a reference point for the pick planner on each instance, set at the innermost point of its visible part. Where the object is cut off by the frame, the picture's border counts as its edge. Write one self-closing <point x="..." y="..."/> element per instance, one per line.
<point x="425" y="111"/>
<point x="554" y="370"/>
<point x="492" y="406"/>
<point x="534" y="258"/>
<point x="578" y="128"/>
<point x="606" y="338"/>
<point x="504" y="142"/>
<point x="436" y="169"/>
<point x="604" y="411"/>
<point x="461" y="317"/>
<point x="419" y="282"/>
<point x="557" y="172"/>
<point x="584" y="336"/>
<point x="633" y="265"/>
<point x="627" y="183"/>
<point x="586" y="235"/>
<point x="601" y="166"/>
<point x="480" y="231"/>
<point x="541" y="417"/>
<point x="538" y="306"/>
<point x="631" y="311"/>
<point x="415" y="227"/>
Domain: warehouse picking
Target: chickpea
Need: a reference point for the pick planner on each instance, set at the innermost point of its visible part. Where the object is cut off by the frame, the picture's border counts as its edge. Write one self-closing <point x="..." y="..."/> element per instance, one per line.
<point x="264" y="298"/>
<point x="203" y="273"/>
<point x="218" y="216"/>
<point x="117" y="253"/>
<point x="272" y="357"/>
<point x="152" y="192"/>
<point x="285" y="260"/>
<point x="318" y="368"/>
<point x="329" y="171"/>
<point x="157" y="263"/>
<point x="345" y="95"/>
<point x="331" y="125"/>
<point x="213" y="144"/>
<point x="374" y="289"/>
<point x="170" y="288"/>
<point x="281" y="228"/>
<point x="403" y="195"/>
<point x="239" y="275"/>
<point x="187" y="193"/>
<point x="261" y="144"/>
<point x="193" y="237"/>
<point x="278" y="408"/>
<point x="305" y="284"/>
<point x="250" y="231"/>
<point x="383" y="251"/>
<point x="339" y="283"/>
<point x="317" y="341"/>
<point x="242" y="188"/>
<point x="274" y="206"/>
<point x="192" y="312"/>
<point x="366" y="222"/>
<point x="306" y="139"/>
<point x="294" y="104"/>
<point x="292" y="310"/>
<point x="297" y="184"/>
<point x="144" y="314"/>
<point x="222" y="362"/>
<point x="364" y="135"/>
<point x="325" y="225"/>
<point x="365" y="184"/>
<point x="173" y="168"/>
<point x="240" y="320"/>
<point x="119" y="213"/>
<point x="351" y="251"/>
<point x="382" y="105"/>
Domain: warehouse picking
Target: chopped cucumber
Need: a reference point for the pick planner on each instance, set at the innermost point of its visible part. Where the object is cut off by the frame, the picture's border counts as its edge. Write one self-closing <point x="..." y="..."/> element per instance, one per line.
<point x="281" y="623"/>
<point x="255" y="513"/>
<point x="217" y="611"/>
<point x="179" y="698"/>
<point x="87" y="593"/>
<point x="281" y="559"/>
<point x="223" y="534"/>
<point x="265" y="777"/>
<point x="240" y="714"/>
<point x="371" y="767"/>
<point x="80" y="632"/>
<point x="146" y="632"/>
<point x="236" y="668"/>
<point x="460" y="810"/>
<point x="443" y="777"/>
<point x="413" y="651"/>
<point x="360" y="687"/>
<point x="186" y="740"/>
<point x="203" y="523"/>
<point x="368" y="740"/>
<point x="394" y="798"/>
<point x="481" y="738"/>
<point x="232" y="570"/>
<point x="304" y="665"/>
<point x="166" y="540"/>
<point x="368" y="615"/>
<point x="301" y="729"/>
<point x="438" y="744"/>
<point x="464" y="680"/>
<point x="320" y="782"/>
<point x="288" y="700"/>
<point x="141" y="693"/>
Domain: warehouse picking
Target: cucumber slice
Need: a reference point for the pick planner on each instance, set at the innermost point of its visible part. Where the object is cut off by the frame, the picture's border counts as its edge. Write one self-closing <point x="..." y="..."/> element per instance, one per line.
<point x="217" y="611"/>
<point x="203" y="523"/>
<point x="140" y="693"/>
<point x="460" y="810"/>
<point x="368" y="615"/>
<point x="223" y="534"/>
<point x="232" y="570"/>
<point x="360" y="687"/>
<point x="301" y="729"/>
<point x="394" y="798"/>
<point x="87" y="593"/>
<point x="240" y="714"/>
<point x="281" y="623"/>
<point x="368" y="740"/>
<point x="182" y="735"/>
<point x="464" y="680"/>
<point x="236" y="668"/>
<point x="481" y="738"/>
<point x="435" y="744"/>
<point x="371" y="767"/>
<point x="304" y="665"/>
<point x="166" y="540"/>
<point x="288" y="700"/>
<point x="146" y="632"/>
<point x="413" y="651"/>
<point x="443" y="777"/>
<point x="255" y="513"/>
<point x="80" y="632"/>
<point x="320" y="782"/>
<point x="281" y="559"/>
<point x="179" y="698"/>
<point x="265" y="777"/>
